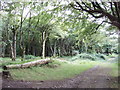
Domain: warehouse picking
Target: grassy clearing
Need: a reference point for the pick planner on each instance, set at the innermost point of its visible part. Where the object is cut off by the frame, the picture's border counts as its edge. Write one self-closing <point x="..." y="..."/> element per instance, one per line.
<point x="65" y="70"/>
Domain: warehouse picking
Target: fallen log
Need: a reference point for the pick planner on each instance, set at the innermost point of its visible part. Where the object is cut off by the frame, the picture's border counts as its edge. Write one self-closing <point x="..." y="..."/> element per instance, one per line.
<point x="28" y="64"/>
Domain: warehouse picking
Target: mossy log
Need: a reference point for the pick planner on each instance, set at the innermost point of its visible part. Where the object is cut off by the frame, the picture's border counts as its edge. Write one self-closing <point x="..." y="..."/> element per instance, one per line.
<point x="27" y="65"/>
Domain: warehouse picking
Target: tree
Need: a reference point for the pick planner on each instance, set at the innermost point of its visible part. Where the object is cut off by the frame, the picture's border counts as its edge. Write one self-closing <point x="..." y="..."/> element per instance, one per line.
<point x="32" y="28"/>
<point x="13" y="27"/>
<point x="109" y="10"/>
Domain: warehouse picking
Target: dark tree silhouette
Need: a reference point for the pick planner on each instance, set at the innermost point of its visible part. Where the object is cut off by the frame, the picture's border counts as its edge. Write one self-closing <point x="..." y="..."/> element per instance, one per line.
<point x="109" y="10"/>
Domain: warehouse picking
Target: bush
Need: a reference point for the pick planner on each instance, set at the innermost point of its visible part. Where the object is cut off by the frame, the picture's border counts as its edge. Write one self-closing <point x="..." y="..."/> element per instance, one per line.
<point x="52" y="64"/>
<point x="29" y="57"/>
<point x="92" y="57"/>
<point x="84" y="56"/>
<point x="100" y="56"/>
<point x="87" y="56"/>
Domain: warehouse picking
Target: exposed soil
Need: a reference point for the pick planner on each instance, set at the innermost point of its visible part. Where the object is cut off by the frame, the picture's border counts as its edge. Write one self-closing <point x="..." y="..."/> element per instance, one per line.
<point x="96" y="77"/>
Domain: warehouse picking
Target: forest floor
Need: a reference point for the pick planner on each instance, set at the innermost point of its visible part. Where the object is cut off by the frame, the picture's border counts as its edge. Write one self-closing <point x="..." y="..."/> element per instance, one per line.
<point x="96" y="77"/>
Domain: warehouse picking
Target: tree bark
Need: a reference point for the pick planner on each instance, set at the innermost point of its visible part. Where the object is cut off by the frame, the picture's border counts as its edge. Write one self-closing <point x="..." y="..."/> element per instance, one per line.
<point x="44" y="44"/>
<point x="23" y="53"/>
<point x="119" y="46"/>
<point x="13" y="45"/>
<point x="12" y="53"/>
<point x="54" y="54"/>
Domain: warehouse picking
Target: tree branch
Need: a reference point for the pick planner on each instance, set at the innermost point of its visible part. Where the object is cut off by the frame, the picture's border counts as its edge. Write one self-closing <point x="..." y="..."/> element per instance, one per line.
<point x="111" y="5"/>
<point x="116" y="8"/>
<point x="98" y="10"/>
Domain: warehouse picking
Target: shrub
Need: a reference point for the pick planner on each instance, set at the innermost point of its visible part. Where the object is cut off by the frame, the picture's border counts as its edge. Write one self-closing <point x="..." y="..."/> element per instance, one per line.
<point x="83" y="56"/>
<point x="89" y="56"/>
<point x="101" y="56"/>
<point x="29" y="57"/>
<point x="52" y="64"/>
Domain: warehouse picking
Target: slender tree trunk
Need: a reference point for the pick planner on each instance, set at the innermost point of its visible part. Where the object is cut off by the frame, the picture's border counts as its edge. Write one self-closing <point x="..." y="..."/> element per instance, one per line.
<point x="1" y="46"/>
<point x="60" y="47"/>
<point x="13" y="46"/>
<point x="119" y="46"/>
<point x="44" y="44"/>
<point x="43" y="51"/>
<point x="34" y="51"/>
<point x="59" y="52"/>
<point x="2" y="50"/>
<point x="23" y="53"/>
<point x="12" y="53"/>
<point x="86" y="48"/>
<point x="54" y="54"/>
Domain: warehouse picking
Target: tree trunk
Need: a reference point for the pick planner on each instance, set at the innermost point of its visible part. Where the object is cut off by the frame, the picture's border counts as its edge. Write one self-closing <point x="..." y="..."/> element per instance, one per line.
<point x="44" y="44"/>
<point x="86" y="48"/>
<point x="23" y="53"/>
<point x="13" y="46"/>
<point x="12" y="53"/>
<point x="119" y="46"/>
<point x="54" y="54"/>
<point x="34" y="51"/>
<point x="2" y="50"/>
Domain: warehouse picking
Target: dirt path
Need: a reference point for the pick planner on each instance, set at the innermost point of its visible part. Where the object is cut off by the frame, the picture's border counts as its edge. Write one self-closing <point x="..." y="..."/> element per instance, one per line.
<point x="96" y="77"/>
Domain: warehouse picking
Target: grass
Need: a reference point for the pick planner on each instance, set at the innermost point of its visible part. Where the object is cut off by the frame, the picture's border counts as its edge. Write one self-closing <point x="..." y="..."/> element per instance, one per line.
<point x="114" y="71"/>
<point x="62" y="70"/>
<point x="8" y="61"/>
<point x="65" y="70"/>
<point x="113" y="66"/>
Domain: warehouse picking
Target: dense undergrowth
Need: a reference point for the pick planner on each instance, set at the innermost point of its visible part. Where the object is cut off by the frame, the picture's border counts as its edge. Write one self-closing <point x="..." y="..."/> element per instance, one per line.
<point x="88" y="56"/>
<point x="92" y="57"/>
